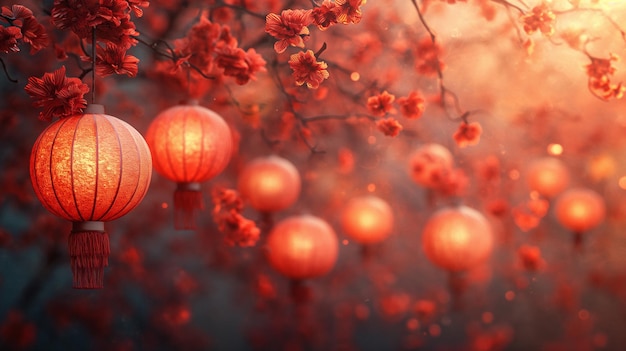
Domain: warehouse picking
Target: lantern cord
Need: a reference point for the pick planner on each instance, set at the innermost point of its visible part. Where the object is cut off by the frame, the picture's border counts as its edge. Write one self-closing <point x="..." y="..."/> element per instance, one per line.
<point x="93" y="65"/>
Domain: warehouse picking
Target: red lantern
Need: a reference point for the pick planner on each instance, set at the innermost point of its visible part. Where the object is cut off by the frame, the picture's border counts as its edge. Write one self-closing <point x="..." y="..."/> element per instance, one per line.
<point x="457" y="238"/>
<point x="429" y="164"/>
<point x="301" y="247"/>
<point x="270" y="184"/>
<point x="89" y="169"/>
<point x="367" y="219"/>
<point x="548" y="176"/>
<point x="190" y="144"/>
<point x="579" y="209"/>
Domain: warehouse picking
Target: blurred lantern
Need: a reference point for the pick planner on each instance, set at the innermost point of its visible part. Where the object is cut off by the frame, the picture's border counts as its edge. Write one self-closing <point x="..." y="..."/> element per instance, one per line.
<point x="367" y="219"/>
<point x="270" y="184"/>
<point x="457" y="238"/>
<point x="190" y="144"/>
<point x="301" y="247"/>
<point x="89" y="169"/>
<point x="548" y="176"/>
<point x="430" y="164"/>
<point x="579" y="210"/>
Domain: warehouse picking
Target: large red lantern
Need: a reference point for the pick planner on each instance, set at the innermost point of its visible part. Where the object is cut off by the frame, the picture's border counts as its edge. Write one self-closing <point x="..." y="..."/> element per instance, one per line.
<point x="429" y="164"/>
<point x="302" y="247"/>
<point x="580" y="209"/>
<point x="270" y="184"/>
<point x="457" y="238"/>
<point x="190" y="144"/>
<point x="367" y="219"/>
<point x="89" y="169"/>
<point x="548" y="176"/>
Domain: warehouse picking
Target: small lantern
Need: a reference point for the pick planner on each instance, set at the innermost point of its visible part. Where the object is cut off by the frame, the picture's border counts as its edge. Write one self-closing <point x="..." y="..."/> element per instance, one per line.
<point x="89" y="169"/>
<point x="457" y="238"/>
<point x="429" y="165"/>
<point x="579" y="210"/>
<point x="270" y="184"/>
<point x="548" y="176"/>
<point x="367" y="219"/>
<point x="302" y="247"/>
<point x="190" y="144"/>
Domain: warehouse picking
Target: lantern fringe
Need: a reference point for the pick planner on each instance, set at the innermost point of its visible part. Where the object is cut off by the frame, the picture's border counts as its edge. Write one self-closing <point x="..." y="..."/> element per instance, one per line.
<point x="89" y="254"/>
<point x="187" y="204"/>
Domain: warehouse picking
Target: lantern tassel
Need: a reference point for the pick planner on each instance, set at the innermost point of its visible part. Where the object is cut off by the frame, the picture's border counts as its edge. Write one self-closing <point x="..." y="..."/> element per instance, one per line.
<point x="187" y="202"/>
<point x="89" y="253"/>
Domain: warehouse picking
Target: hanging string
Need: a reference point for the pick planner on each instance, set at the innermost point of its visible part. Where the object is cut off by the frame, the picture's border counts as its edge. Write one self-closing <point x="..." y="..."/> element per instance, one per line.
<point x="93" y="65"/>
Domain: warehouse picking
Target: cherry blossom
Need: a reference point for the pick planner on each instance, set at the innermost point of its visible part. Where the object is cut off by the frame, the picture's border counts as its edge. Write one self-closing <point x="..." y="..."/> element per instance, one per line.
<point x="468" y="134"/>
<point x="381" y="104"/>
<point x="289" y="28"/>
<point x="389" y="126"/>
<point x="306" y="69"/>
<point x="411" y="106"/>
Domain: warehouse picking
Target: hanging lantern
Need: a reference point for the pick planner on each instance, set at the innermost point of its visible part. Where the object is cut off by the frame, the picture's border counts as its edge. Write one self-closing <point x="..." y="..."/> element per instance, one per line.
<point x="89" y="169"/>
<point x="367" y="219"/>
<point x="270" y="184"/>
<point x="429" y="165"/>
<point x="301" y="247"/>
<point x="190" y="144"/>
<point x="579" y="209"/>
<point x="457" y="238"/>
<point x="548" y="176"/>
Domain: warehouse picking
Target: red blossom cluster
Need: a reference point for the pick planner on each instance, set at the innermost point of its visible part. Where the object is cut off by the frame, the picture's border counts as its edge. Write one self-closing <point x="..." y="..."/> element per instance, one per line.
<point x="227" y="208"/>
<point x="427" y="60"/>
<point x="540" y="18"/>
<point x="58" y="95"/>
<point x="599" y="72"/>
<point x="110" y="21"/>
<point x="528" y="215"/>
<point x="22" y="25"/>
<point x="381" y="105"/>
<point x="290" y="28"/>
<point x="210" y="48"/>
<point x="467" y="134"/>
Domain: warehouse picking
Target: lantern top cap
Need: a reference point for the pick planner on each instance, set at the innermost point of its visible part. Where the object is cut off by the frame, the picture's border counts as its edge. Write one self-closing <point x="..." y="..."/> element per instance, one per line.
<point x="95" y="109"/>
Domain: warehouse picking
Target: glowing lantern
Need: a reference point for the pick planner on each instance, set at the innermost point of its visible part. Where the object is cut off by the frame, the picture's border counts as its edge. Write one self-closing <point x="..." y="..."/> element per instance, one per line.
<point x="457" y="238"/>
<point x="429" y="164"/>
<point x="89" y="169"/>
<point x="548" y="176"/>
<point x="190" y="144"/>
<point x="301" y="247"/>
<point x="367" y="219"/>
<point x="270" y="184"/>
<point x="580" y="209"/>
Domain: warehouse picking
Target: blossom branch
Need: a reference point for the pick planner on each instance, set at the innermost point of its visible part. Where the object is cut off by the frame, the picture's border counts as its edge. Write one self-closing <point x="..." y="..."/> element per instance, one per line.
<point x="445" y="94"/>
<point x="242" y="9"/>
<point x="170" y="54"/>
<point x="510" y="5"/>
